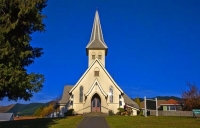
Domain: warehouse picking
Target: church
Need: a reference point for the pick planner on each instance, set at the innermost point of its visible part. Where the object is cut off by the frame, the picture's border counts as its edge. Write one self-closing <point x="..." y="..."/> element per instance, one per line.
<point x="96" y="90"/>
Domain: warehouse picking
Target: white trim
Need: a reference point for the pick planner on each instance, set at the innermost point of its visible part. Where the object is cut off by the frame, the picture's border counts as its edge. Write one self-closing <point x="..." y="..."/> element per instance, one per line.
<point x="96" y="60"/>
<point x="98" y="84"/>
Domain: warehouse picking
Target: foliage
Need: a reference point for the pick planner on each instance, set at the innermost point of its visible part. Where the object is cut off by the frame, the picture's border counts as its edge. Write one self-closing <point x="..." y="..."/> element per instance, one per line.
<point x="18" y="20"/>
<point x="191" y="97"/>
<point x="137" y="100"/>
<point x="38" y="111"/>
<point x="152" y="122"/>
<point x="47" y="110"/>
<point x="120" y="111"/>
<point x="110" y="113"/>
<point x="69" y="112"/>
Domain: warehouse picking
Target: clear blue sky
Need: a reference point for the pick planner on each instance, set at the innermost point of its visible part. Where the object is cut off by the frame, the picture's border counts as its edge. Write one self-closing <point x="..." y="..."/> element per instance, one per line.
<point x="153" y="45"/>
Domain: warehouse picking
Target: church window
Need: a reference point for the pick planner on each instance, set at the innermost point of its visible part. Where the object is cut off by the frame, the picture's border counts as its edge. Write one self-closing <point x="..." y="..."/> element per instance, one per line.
<point x="93" y="55"/>
<point x="120" y="103"/>
<point x="99" y="55"/>
<point x="81" y="94"/>
<point x="96" y="72"/>
<point x="111" y="94"/>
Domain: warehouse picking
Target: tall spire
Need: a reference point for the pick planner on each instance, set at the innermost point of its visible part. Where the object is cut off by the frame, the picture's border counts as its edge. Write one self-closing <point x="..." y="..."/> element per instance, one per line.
<point x="96" y="39"/>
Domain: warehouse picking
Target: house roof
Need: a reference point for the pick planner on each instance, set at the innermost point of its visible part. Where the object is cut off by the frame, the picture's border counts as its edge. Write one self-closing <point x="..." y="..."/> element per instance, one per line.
<point x="171" y="101"/>
<point x="96" y="39"/>
<point x="65" y="95"/>
<point x="130" y="102"/>
<point x="6" y="116"/>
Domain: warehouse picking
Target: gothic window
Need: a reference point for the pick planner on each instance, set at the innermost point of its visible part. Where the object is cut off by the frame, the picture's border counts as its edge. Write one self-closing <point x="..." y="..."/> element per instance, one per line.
<point x="111" y="94"/>
<point x="81" y="94"/>
<point x="99" y="56"/>
<point x="96" y="72"/>
<point x="93" y="55"/>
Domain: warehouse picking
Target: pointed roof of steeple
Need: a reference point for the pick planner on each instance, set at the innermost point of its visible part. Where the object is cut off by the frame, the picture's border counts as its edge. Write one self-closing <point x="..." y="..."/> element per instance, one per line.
<point x="96" y="39"/>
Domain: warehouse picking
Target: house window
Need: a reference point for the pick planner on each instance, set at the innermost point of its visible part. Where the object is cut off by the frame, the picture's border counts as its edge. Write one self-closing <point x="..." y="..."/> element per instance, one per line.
<point x="171" y="108"/>
<point x="120" y="96"/>
<point x="72" y="96"/>
<point x="71" y="102"/>
<point x="81" y="94"/>
<point x="96" y="72"/>
<point x="111" y="94"/>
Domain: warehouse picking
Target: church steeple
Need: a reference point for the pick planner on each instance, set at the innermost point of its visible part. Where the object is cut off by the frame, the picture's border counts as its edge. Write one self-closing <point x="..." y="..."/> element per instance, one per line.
<point x="96" y="47"/>
<point x="96" y="39"/>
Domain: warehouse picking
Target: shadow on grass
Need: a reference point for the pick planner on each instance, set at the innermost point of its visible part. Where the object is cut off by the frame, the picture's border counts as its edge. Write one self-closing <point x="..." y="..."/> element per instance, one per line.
<point x="30" y="123"/>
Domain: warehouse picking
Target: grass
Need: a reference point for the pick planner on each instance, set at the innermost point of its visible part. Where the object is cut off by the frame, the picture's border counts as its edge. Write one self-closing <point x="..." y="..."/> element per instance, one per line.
<point x="152" y="122"/>
<point x="68" y="122"/>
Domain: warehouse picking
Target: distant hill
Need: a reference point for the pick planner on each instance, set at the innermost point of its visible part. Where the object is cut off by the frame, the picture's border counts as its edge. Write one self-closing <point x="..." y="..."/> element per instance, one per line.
<point x="24" y="109"/>
<point x="161" y="98"/>
<point x="6" y="108"/>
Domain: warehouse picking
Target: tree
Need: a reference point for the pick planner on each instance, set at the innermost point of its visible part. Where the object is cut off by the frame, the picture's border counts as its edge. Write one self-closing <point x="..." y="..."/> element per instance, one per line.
<point x="18" y="20"/>
<point x="137" y="100"/>
<point x="191" y="97"/>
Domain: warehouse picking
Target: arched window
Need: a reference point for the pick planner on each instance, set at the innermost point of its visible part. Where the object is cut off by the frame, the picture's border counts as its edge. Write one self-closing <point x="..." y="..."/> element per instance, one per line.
<point x="93" y="55"/>
<point x="111" y="94"/>
<point x="96" y="72"/>
<point x="99" y="56"/>
<point x="81" y="94"/>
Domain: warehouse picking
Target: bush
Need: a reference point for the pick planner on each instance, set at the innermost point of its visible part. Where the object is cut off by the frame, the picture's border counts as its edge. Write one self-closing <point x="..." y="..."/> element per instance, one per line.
<point x="120" y="110"/>
<point x="110" y="113"/>
<point x="69" y="112"/>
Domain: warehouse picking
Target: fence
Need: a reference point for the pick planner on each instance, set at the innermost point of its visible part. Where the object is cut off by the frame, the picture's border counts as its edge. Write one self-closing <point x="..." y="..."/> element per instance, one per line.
<point x="172" y="113"/>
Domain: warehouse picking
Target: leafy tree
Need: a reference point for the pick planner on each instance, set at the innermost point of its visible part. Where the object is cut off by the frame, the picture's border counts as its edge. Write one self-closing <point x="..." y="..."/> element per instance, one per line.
<point x="137" y="100"/>
<point x="191" y="97"/>
<point x="47" y="110"/>
<point x="18" y="20"/>
<point x="38" y="111"/>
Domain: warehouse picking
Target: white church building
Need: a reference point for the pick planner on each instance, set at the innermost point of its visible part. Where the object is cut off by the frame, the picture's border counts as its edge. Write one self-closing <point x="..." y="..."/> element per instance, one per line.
<point x="96" y="90"/>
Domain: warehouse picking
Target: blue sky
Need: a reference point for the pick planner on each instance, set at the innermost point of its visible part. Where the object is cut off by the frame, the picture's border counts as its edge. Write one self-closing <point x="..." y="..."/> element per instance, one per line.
<point x="153" y="45"/>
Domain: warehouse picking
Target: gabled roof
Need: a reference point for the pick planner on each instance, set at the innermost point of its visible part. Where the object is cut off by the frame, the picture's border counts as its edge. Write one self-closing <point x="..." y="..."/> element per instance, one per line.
<point x="130" y="102"/>
<point x="96" y="61"/>
<point x="6" y="116"/>
<point x="65" y="95"/>
<point x="96" y="82"/>
<point x="96" y="39"/>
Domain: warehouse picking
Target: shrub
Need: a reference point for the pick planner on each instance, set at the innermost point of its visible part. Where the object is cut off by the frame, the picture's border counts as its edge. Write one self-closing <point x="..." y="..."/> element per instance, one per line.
<point x="120" y="110"/>
<point x="110" y="113"/>
<point x="69" y="112"/>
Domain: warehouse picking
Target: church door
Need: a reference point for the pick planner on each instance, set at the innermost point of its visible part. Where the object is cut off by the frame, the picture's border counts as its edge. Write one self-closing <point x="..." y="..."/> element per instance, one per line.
<point x="96" y="103"/>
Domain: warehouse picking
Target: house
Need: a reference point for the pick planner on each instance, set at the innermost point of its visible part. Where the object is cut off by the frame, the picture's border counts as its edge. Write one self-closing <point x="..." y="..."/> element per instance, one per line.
<point x="96" y="90"/>
<point x="171" y="105"/>
<point x="6" y="117"/>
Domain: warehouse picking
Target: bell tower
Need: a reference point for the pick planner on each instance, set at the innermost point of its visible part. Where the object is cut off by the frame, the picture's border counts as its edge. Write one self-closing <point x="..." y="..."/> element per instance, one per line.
<point x="96" y="47"/>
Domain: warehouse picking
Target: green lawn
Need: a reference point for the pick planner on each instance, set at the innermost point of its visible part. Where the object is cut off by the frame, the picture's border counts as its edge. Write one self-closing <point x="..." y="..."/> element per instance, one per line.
<point x="68" y="122"/>
<point x="113" y="121"/>
<point x="152" y="122"/>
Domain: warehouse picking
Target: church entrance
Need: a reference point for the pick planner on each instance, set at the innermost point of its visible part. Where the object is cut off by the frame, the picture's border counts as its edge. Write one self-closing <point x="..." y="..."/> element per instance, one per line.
<point x="96" y="103"/>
